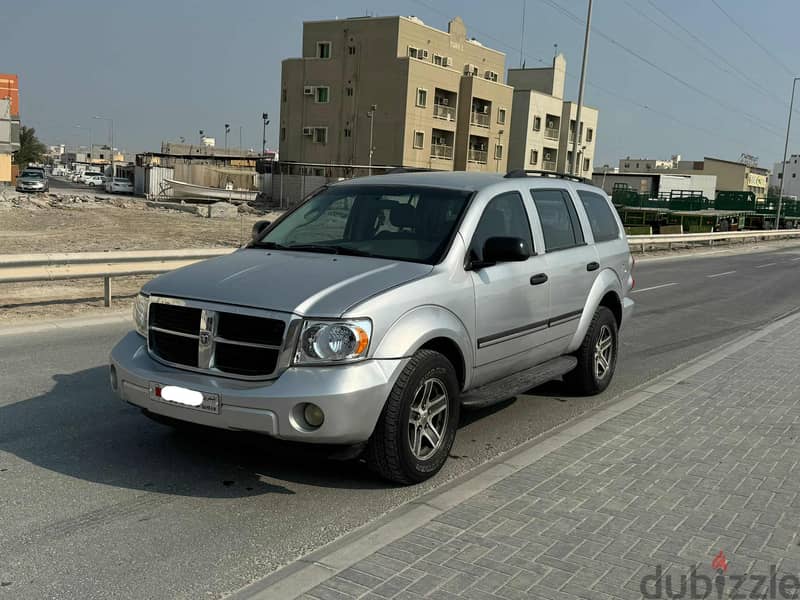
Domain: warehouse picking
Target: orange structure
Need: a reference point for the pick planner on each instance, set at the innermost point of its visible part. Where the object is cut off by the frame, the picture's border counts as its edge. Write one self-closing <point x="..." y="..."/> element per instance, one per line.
<point x="9" y="88"/>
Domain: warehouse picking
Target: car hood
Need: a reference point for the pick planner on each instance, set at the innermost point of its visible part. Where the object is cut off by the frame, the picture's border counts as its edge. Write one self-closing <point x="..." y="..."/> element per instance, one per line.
<point x="304" y="283"/>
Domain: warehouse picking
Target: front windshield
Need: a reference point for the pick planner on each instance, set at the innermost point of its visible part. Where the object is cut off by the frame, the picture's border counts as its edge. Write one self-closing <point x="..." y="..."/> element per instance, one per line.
<point x="32" y="174"/>
<point x="410" y="223"/>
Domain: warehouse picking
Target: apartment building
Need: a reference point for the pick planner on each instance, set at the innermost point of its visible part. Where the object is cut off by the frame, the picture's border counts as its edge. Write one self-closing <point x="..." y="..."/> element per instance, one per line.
<point x="542" y="132"/>
<point x="426" y="98"/>
<point x="791" y="187"/>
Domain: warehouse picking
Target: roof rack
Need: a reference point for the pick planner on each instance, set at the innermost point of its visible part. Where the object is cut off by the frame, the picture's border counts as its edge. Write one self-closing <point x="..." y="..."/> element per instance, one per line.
<point x="525" y="172"/>
<point x="395" y="170"/>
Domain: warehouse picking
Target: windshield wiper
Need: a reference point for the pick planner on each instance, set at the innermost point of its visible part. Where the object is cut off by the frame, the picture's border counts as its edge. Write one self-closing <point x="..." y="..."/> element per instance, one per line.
<point x="268" y="245"/>
<point x="330" y="248"/>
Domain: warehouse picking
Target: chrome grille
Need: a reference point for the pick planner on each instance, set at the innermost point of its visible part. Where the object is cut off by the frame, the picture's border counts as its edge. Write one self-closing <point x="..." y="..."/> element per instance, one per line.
<point x="218" y="339"/>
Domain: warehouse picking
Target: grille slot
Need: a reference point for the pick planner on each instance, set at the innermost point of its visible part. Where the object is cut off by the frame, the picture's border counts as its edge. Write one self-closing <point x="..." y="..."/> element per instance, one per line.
<point x="245" y="360"/>
<point x="254" y="330"/>
<point x="184" y="319"/>
<point x="176" y="349"/>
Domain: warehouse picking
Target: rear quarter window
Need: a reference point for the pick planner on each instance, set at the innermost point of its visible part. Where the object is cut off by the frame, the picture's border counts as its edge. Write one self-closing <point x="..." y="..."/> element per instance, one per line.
<point x="601" y="219"/>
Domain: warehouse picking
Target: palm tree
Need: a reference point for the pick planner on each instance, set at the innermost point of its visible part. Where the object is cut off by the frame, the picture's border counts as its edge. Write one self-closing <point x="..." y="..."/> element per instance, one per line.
<point x="31" y="150"/>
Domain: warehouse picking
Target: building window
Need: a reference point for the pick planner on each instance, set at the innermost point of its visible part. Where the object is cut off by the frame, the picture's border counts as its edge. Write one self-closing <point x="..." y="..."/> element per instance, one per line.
<point x="320" y="135"/>
<point x="537" y="123"/>
<point x="534" y="157"/>
<point x="627" y="165"/>
<point x="439" y="60"/>
<point x="589" y="134"/>
<point x="419" y="139"/>
<point x="322" y="95"/>
<point x="348" y="132"/>
<point x="501" y="115"/>
<point x="283" y="134"/>
<point x="283" y="95"/>
<point x="349" y="90"/>
<point x="498" y="151"/>
<point x="422" y="97"/>
<point x="585" y="164"/>
<point x="793" y="174"/>
<point x="351" y="50"/>
<point x="323" y="49"/>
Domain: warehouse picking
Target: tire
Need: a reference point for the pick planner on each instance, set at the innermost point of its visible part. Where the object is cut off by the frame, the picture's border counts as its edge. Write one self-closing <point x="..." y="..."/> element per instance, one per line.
<point x="389" y="452"/>
<point x="584" y="379"/>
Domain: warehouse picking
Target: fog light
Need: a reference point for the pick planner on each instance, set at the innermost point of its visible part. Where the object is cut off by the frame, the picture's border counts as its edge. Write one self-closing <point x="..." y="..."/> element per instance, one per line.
<point x="112" y="377"/>
<point x="313" y="415"/>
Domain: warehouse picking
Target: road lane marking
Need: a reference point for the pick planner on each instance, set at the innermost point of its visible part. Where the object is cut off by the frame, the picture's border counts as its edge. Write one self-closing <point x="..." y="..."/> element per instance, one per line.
<point x="720" y="274"/>
<point x="655" y="287"/>
<point x="794" y="259"/>
<point x="766" y="265"/>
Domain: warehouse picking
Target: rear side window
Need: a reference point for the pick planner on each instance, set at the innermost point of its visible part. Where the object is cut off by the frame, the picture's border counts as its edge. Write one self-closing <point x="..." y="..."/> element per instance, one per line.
<point x="559" y="220"/>
<point x="604" y="225"/>
<point x="504" y="216"/>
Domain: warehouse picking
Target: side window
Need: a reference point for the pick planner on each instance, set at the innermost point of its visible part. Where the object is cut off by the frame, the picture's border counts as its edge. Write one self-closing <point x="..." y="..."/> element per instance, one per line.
<point x="504" y="216"/>
<point x="604" y="225"/>
<point x="559" y="220"/>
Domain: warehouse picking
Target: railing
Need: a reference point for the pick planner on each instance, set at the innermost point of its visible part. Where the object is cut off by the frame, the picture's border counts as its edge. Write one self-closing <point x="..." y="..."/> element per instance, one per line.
<point x="17" y="268"/>
<point x="549" y="165"/>
<point x="479" y="119"/>
<point x="478" y="156"/>
<point x="442" y="111"/>
<point x="686" y="239"/>
<point x="441" y="151"/>
<point x="551" y="133"/>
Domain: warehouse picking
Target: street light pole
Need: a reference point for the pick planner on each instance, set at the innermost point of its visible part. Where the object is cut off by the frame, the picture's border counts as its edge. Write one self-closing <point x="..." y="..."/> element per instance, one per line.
<point x="577" y="130"/>
<point x="227" y="130"/>
<point x="265" y="119"/>
<point x="785" y="151"/>
<point x="111" y="127"/>
<point x="371" y="115"/>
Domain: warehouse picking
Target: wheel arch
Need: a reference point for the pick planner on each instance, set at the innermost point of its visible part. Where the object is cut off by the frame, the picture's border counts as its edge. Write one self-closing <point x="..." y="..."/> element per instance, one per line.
<point x="606" y="291"/>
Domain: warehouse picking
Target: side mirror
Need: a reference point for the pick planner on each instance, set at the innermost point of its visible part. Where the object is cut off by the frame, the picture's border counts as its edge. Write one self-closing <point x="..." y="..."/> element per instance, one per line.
<point x="505" y="249"/>
<point x="259" y="227"/>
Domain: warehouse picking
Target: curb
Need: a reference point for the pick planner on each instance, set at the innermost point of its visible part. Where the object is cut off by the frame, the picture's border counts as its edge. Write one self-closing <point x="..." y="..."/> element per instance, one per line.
<point x="115" y="317"/>
<point x="305" y="573"/>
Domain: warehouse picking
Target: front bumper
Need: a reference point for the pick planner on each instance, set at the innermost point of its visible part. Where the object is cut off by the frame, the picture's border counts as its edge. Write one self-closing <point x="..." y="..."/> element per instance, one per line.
<point x="351" y="396"/>
<point x="30" y="188"/>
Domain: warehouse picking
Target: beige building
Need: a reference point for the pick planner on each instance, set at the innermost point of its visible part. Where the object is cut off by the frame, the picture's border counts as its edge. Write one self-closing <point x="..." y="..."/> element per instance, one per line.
<point x="439" y="97"/>
<point x="543" y="126"/>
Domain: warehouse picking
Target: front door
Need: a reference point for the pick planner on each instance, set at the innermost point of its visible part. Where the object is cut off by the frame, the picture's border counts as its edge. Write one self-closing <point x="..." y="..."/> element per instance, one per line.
<point x="511" y="305"/>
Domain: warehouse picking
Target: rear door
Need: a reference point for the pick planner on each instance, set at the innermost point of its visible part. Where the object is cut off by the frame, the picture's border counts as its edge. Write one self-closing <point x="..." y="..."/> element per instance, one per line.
<point x="572" y="262"/>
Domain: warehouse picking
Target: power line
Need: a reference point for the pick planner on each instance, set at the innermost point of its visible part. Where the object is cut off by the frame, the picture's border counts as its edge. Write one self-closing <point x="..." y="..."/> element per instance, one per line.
<point x="501" y="43"/>
<point x="753" y="118"/>
<point x="754" y="40"/>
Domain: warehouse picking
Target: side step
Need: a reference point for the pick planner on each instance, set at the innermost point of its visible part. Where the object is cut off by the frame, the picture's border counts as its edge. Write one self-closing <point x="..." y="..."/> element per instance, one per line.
<point x="508" y="387"/>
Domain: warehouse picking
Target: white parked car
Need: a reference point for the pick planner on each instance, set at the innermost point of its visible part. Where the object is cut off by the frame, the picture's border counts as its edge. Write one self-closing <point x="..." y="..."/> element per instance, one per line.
<point x="93" y="178"/>
<point x="119" y="185"/>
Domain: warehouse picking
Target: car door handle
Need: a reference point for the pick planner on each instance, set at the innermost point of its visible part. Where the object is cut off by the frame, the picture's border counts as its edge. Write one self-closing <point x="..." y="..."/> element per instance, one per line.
<point x="593" y="266"/>
<point x="538" y="279"/>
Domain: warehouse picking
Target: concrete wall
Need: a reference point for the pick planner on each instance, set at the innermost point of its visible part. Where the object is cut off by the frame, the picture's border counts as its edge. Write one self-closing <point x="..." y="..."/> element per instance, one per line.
<point x="5" y="168"/>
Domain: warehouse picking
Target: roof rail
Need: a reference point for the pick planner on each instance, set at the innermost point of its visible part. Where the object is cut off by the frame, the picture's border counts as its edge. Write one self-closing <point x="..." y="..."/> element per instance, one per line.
<point x="525" y="172"/>
<point x="394" y="170"/>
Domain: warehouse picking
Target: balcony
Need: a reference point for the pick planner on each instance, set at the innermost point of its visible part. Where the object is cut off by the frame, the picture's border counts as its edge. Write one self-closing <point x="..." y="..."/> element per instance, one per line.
<point x="442" y="111"/>
<point x="480" y="119"/>
<point x="551" y="133"/>
<point x="548" y="165"/>
<point x="477" y="156"/>
<point x="441" y="151"/>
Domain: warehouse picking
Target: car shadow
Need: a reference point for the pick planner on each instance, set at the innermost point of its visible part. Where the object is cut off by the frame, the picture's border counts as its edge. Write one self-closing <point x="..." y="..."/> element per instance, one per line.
<point x="81" y="429"/>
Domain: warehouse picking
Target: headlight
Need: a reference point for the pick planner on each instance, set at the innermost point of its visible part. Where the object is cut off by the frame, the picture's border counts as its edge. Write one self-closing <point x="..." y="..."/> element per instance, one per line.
<point x="324" y="342"/>
<point x="140" y="313"/>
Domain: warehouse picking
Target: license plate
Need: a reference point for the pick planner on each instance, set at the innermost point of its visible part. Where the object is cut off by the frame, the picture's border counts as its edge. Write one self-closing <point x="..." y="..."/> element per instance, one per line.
<point x="181" y="396"/>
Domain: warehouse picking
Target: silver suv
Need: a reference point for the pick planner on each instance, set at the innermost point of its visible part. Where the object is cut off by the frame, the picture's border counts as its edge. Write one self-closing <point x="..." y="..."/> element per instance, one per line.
<point x="372" y="313"/>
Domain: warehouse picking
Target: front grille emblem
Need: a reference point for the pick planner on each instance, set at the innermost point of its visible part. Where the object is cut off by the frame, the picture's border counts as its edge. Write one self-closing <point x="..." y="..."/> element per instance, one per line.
<point x="205" y="338"/>
<point x="205" y="354"/>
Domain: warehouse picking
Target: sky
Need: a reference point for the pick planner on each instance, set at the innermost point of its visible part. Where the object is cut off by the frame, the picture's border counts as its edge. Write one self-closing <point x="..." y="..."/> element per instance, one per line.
<point x="683" y="80"/>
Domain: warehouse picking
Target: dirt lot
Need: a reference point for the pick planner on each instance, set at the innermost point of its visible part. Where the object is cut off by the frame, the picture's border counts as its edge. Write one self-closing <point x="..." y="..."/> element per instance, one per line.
<point x="75" y="225"/>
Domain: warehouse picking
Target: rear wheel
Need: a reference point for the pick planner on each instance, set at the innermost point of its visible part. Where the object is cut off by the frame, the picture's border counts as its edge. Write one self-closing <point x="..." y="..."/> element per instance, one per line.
<point x="597" y="356"/>
<point x="418" y="424"/>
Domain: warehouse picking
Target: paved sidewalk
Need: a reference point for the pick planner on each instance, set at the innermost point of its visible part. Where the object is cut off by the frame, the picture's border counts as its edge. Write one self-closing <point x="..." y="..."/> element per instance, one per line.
<point x="703" y="463"/>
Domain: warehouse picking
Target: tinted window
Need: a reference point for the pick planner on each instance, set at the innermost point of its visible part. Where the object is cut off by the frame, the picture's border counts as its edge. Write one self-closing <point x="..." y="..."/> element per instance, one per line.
<point x="604" y="225"/>
<point x="504" y="216"/>
<point x="32" y="174"/>
<point x="559" y="220"/>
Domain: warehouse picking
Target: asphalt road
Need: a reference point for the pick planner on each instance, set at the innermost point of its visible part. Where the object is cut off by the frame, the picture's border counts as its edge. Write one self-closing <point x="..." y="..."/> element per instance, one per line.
<point x="98" y="502"/>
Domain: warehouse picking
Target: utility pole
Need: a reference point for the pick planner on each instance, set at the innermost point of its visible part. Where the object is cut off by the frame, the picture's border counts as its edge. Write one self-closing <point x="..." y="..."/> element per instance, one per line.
<point x="576" y="132"/>
<point x="371" y="115"/>
<point x="265" y="119"/>
<point x="240" y="138"/>
<point x="227" y="131"/>
<point x="111" y="127"/>
<point x="785" y="151"/>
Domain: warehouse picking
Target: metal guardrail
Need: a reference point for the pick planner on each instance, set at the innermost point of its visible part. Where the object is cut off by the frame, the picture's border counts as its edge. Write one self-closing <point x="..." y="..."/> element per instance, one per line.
<point x="668" y="240"/>
<point x="20" y="268"/>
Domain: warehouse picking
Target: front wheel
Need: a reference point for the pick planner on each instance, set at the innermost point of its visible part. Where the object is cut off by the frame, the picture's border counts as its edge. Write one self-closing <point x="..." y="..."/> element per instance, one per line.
<point x="418" y="424"/>
<point x="597" y="356"/>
